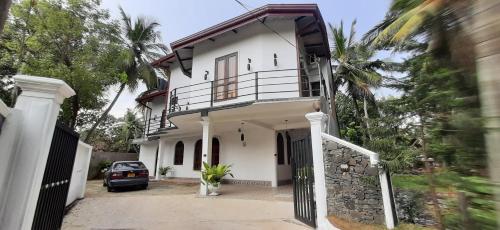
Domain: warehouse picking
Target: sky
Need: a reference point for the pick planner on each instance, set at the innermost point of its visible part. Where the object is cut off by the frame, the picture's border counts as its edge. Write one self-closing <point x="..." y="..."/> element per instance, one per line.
<point x="180" y="18"/>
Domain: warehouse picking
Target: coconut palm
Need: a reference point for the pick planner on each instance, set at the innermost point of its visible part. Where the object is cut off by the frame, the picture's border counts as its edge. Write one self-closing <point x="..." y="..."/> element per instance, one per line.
<point x="141" y="42"/>
<point x="354" y="69"/>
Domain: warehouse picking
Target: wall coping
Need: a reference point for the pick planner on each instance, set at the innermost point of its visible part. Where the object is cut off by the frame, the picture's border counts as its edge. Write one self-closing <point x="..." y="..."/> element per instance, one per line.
<point x="42" y="87"/>
<point x="4" y="109"/>
<point x="373" y="155"/>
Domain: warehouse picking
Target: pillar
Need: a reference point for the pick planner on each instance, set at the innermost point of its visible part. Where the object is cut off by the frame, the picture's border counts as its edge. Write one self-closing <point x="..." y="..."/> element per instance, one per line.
<point x="159" y="161"/>
<point x="206" y="152"/>
<point x="39" y="104"/>
<point x="317" y="120"/>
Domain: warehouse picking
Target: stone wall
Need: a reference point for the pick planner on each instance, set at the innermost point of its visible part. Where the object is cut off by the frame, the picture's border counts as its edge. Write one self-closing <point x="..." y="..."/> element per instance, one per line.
<point x="353" y="193"/>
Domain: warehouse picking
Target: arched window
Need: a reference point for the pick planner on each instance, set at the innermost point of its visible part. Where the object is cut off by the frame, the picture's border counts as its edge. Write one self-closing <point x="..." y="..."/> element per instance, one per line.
<point x="215" y="151"/>
<point x="197" y="155"/>
<point x="288" y="147"/>
<point x="281" y="149"/>
<point x="179" y="153"/>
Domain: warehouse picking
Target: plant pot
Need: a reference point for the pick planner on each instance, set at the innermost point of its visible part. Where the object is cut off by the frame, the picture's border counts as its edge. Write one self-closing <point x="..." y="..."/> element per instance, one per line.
<point x="214" y="189"/>
<point x="163" y="177"/>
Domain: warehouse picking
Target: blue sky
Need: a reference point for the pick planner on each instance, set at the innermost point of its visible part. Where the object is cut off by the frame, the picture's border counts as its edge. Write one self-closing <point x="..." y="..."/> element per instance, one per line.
<point x="182" y="18"/>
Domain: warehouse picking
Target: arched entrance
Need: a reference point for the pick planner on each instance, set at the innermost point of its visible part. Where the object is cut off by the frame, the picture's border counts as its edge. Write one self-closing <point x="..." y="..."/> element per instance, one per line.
<point x="197" y="155"/>
<point x="215" y="151"/>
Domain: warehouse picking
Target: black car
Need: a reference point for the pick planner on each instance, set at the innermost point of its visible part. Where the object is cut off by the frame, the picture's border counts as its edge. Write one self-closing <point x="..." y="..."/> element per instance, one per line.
<point x="126" y="174"/>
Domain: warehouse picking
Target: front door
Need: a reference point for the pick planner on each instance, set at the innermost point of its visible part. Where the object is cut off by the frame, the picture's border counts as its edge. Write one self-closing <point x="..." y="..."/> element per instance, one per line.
<point x="226" y="77"/>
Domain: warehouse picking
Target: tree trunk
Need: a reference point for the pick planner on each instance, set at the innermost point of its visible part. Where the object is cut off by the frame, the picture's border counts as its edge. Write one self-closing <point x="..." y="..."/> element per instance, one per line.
<point x="486" y="32"/>
<point x="75" y="107"/>
<point x="333" y="113"/>
<point x="105" y="114"/>
<point x="430" y="177"/>
<point x="356" y="107"/>
<point x="365" y="109"/>
<point x="4" y="12"/>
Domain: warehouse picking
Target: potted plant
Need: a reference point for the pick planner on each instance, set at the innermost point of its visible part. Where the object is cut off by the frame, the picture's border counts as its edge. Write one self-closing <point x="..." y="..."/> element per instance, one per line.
<point x="164" y="171"/>
<point x="213" y="175"/>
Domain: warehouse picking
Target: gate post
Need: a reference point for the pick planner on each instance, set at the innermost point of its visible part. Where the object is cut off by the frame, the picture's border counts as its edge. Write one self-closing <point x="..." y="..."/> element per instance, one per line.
<point x="39" y="105"/>
<point x="317" y="120"/>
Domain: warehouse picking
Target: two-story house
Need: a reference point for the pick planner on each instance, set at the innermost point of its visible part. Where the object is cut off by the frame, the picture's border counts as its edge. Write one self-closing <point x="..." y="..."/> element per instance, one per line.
<point x="237" y="94"/>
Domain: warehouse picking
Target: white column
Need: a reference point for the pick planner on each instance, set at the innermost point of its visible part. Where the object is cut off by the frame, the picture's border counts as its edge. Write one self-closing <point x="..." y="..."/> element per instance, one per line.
<point x="159" y="163"/>
<point x="206" y="153"/>
<point x="386" y="199"/>
<point x="317" y="121"/>
<point x="39" y="104"/>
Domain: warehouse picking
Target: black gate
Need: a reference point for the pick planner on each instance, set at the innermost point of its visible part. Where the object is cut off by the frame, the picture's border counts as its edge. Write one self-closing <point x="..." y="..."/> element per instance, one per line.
<point x="56" y="178"/>
<point x="303" y="181"/>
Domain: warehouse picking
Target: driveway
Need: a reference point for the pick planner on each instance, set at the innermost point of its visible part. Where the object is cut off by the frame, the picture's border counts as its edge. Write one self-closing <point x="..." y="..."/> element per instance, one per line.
<point x="176" y="205"/>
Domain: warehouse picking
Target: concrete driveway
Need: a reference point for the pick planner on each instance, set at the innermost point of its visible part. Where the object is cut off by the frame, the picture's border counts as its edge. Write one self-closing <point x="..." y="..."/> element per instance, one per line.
<point x="173" y="205"/>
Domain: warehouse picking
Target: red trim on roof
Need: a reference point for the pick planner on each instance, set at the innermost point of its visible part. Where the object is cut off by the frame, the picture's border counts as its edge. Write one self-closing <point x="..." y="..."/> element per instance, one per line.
<point x="267" y="10"/>
<point x="167" y="58"/>
<point x="151" y="95"/>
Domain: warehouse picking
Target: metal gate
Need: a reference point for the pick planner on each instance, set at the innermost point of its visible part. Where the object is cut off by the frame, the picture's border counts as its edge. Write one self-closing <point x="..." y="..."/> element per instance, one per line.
<point x="303" y="181"/>
<point x="56" y="178"/>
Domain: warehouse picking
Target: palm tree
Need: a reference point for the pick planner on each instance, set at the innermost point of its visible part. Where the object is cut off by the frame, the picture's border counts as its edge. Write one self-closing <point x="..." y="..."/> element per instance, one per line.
<point x="141" y="42"/>
<point x="354" y="68"/>
<point x="440" y="23"/>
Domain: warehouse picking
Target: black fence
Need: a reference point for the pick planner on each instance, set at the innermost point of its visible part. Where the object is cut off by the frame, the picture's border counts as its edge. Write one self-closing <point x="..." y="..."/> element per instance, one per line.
<point x="303" y="181"/>
<point x="156" y="123"/>
<point x="253" y="86"/>
<point x="56" y="179"/>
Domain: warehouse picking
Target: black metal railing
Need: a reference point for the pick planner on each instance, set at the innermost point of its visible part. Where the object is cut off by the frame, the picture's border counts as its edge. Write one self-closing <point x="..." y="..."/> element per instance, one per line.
<point x="253" y="86"/>
<point x="156" y="123"/>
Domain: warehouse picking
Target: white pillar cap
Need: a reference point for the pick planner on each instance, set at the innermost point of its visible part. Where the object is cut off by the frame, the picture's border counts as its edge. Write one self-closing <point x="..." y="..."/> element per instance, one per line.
<point x="316" y="116"/>
<point x="44" y="87"/>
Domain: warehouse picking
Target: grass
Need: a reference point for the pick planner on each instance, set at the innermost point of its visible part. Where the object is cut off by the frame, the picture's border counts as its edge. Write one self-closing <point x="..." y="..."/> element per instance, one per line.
<point x="481" y="206"/>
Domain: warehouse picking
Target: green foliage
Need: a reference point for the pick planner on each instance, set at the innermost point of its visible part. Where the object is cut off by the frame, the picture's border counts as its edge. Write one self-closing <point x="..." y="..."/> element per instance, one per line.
<point x="104" y="164"/>
<point x="164" y="170"/>
<point x="478" y="190"/>
<point x="114" y="134"/>
<point x="215" y="173"/>
<point x="74" y="41"/>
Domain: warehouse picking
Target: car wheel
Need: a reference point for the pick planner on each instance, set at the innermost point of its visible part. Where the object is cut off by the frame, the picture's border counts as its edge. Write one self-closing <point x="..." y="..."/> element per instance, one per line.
<point x="110" y="189"/>
<point x="104" y="183"/>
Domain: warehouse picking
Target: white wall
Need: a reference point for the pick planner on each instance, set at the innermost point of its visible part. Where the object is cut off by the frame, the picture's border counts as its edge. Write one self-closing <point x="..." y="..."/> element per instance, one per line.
<point x="186" y="169"/>
<point x="80" y="171"/>
<point x="147" y="155"/>
<point x="253" y="41"/>
<point x="256" y="161"/>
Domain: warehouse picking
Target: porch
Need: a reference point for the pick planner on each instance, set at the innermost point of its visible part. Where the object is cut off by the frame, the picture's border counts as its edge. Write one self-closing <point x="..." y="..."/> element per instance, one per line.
<point x="254" y="139"/>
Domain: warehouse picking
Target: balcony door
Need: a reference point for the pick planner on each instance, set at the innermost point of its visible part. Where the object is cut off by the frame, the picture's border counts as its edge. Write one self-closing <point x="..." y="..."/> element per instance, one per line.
<point x="226" y="77"/>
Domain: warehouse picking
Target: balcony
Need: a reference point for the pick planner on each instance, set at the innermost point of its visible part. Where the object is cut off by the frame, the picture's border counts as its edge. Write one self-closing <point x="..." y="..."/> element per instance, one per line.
<point x="157" y="123"/>
<point x="246" y="89"/>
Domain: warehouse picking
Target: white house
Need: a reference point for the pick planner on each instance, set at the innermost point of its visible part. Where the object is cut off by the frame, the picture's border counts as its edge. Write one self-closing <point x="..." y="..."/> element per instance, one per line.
<point x="238" y="93"/>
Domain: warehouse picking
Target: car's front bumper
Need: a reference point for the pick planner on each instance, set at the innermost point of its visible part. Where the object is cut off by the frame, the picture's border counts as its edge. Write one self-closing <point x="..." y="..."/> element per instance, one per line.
<point x="128" y="182"/>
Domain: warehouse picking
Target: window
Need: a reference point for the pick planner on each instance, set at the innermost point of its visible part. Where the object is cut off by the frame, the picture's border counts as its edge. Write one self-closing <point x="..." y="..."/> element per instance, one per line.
<point x="179" y="153"/>
<point x="226" y="77"/>
<point x="281" y="149"/>
<point x="197" y="155"/>
<point x="129" y="166"/>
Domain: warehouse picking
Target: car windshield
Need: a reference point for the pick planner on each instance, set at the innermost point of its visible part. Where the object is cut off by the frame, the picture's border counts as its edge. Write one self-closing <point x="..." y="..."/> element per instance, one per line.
<point x="129" y="166"/>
